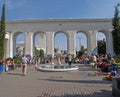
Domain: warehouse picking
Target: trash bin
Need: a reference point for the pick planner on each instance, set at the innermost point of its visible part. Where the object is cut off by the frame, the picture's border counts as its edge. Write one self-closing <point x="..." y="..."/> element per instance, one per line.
<point x="1" y="68"/>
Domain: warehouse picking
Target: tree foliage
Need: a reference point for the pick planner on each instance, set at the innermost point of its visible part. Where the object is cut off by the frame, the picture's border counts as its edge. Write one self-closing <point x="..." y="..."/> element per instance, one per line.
<point x="116" y="31"/>
<point x="37" y="51"/>
<point x="101" y="47"/>
<point x="81" y="52"/>
<point x="2" y="32"/>
<point x="42" y="55"/>
<point x="55" y="50"/>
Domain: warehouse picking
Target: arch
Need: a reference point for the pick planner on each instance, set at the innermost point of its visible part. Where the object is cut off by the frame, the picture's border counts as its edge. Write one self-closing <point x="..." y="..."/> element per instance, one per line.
<point x="101" y="42"/>
<point x="39" y="42"/>
<point x="19" y="43"/>
<point x="101" y="35"/>
<point x="61" y="45"/>
<point x="81" y="40"/>
<point x="62" y="32"/>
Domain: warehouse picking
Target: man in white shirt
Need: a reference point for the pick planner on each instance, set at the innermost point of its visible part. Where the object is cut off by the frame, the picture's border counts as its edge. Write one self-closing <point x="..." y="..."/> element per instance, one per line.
<point x="24" y="64"/>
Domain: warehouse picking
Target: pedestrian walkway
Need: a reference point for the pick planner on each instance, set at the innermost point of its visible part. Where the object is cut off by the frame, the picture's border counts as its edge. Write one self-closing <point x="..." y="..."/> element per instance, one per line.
<point x="80" y="83"/>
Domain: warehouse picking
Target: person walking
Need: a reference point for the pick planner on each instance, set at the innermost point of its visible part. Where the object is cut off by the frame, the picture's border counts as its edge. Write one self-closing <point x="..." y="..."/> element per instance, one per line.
<point x="36" y="62"/>
<point x="24" y="64"/>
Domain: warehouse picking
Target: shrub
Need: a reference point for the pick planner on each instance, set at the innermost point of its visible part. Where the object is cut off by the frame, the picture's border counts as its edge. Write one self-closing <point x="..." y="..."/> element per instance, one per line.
<point x="17" y="61"/>
<point x="117" y="60"/>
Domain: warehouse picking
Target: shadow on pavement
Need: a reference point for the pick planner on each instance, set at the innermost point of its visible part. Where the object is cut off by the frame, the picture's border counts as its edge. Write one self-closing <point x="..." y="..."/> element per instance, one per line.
<point x="102" y="93"/>
<point x="15" y="74"/>
<point x="80" y="81"/>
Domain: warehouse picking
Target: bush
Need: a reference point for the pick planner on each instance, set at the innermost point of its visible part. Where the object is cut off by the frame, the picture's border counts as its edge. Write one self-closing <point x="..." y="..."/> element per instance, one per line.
<point x="9" y="58"/>
<point x="18" y="61"/>
<point x="117" y="60"/>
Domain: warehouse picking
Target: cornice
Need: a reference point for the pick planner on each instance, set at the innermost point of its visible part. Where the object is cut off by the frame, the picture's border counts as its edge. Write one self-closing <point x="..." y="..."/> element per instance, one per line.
<point x="61" y="20"/>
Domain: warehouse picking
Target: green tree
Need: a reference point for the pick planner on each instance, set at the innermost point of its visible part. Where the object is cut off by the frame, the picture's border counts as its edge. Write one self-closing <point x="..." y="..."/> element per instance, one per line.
<point x="55" y="50"/>
<point x="36" y="51"/>
<point x="2" y="32"/>
<point x="116" y="31"/>
<point x="42" y="55"/>
<point x="82" y="48"/>
<point x="101" y="46"/>
<point x="81" y="52"/>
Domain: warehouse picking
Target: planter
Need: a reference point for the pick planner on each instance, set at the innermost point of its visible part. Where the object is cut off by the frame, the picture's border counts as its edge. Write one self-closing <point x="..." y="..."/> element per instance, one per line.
<point x="116" y="86"/>
<point x="119" y="69"/>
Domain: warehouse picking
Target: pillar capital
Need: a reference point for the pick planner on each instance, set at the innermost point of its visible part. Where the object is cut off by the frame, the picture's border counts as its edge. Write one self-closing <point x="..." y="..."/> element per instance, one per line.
<point x="93" y="31"/>
<point x="71" y="32"/>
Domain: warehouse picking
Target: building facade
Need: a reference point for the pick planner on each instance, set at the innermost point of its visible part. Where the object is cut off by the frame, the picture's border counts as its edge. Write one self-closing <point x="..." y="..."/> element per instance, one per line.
<point x="48" y="28"/>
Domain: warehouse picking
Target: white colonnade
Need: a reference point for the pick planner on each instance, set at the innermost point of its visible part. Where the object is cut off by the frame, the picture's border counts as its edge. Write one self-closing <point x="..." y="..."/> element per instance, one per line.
<point x="50" y="27"/>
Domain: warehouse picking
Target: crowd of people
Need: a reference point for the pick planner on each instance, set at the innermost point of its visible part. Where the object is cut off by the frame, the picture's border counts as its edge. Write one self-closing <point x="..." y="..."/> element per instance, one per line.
<point x="104" y="64"/>
<point x="7" y="64"/>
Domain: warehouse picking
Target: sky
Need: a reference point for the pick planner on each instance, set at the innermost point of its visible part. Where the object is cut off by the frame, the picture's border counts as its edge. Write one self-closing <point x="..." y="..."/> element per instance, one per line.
<point x="44" y="9"/>
<point x="53" y="9"/>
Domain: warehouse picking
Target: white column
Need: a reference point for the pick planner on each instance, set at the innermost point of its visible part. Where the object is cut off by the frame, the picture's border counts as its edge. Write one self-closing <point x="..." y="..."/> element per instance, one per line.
<point x="50" y="43"/>
<point x="6" y="47"/>
<point x="42" y="41"/>
<point x="29" y="43"/>
<point x="109" y="43"/>
<point x="11" y="45"/>
<point x="72" y="43"/>
<point x="92" y="42"/>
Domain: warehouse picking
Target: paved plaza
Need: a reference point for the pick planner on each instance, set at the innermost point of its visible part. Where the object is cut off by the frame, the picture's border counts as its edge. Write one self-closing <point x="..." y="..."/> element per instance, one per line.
<point x="80" y="83"/>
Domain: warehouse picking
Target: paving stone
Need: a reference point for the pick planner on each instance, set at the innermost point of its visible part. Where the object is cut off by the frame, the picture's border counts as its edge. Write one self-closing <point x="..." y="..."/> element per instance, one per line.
<point x="54" y="84"/>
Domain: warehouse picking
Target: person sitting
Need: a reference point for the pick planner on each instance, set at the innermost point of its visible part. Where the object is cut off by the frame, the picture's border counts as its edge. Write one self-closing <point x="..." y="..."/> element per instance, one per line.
<point x="114" y="68"/>
<point x="105" y="65"/>
<point x="12" y="64"/>
<point x="1" y="65"/>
